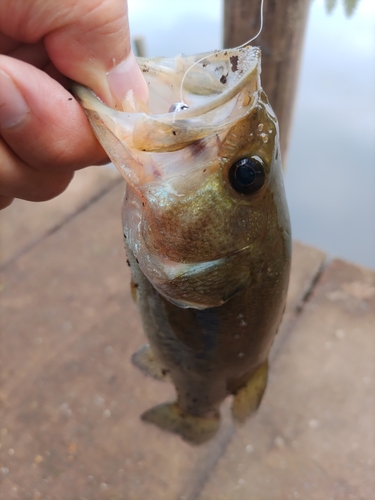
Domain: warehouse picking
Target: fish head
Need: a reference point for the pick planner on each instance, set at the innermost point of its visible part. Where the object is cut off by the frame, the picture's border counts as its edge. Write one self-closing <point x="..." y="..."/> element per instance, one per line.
<point x="205" y="202"/>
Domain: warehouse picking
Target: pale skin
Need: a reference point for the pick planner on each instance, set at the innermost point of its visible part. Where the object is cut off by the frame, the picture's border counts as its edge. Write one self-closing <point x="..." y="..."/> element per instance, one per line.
<point x="44" y="134"/>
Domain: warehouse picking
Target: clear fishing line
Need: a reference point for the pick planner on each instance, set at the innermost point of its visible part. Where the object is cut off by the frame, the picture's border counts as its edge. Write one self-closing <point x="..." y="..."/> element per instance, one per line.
<point x="180" y="106"/>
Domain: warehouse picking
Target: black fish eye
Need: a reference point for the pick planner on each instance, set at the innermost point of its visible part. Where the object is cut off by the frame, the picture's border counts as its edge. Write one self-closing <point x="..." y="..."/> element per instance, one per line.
<point x="247" y="175"/>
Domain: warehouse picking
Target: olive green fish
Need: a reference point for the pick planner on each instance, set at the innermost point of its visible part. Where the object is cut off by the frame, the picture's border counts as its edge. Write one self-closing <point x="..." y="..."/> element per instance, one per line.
<point x="206" y="228"/>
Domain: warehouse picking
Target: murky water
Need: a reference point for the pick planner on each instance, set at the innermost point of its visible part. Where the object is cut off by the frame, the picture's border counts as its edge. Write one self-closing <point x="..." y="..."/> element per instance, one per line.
<point x="331" y="162"/>
<point x="331" y="165"/>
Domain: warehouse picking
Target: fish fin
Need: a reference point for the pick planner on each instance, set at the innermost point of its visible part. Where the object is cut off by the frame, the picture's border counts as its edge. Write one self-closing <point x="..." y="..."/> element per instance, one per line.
<point x="144" y="359"/>
<point x="193" y="429"/>
<point x="247" y="399"/>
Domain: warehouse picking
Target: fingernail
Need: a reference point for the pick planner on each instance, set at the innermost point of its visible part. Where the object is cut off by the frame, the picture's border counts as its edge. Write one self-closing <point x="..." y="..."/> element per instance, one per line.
<point x="13" y="107"/>
<point x="128" y="76"/>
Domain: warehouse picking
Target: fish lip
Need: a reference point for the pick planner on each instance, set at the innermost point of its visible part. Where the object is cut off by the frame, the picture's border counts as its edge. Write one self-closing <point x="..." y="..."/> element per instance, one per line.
<point x="248" y="57"/>
<point x="90" y="100"/>
<point x="132" y="138"/>
<point x="254" y="53"/>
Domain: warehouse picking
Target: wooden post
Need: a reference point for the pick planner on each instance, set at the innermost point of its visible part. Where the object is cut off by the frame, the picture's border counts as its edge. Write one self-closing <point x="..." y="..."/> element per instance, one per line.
<point x="281" y="43"/>
<point x="139" y="44"/>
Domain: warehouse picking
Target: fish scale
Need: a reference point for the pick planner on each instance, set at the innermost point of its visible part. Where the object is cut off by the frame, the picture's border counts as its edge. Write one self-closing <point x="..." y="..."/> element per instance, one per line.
<point x="206" y="228"/>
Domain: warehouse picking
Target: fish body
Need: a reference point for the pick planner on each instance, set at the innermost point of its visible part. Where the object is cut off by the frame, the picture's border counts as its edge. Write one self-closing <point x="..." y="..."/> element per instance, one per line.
<point x="206" y="228"/>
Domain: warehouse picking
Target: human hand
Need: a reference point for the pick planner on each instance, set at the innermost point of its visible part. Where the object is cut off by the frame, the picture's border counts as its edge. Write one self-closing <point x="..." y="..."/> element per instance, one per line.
<point x="44" y="133"/>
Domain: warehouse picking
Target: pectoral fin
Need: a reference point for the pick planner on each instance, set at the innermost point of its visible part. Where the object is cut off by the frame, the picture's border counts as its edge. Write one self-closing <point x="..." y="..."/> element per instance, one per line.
<point x="195" y="430"/>
<point x="145" y="360"/>
<point x="247" y="399"/>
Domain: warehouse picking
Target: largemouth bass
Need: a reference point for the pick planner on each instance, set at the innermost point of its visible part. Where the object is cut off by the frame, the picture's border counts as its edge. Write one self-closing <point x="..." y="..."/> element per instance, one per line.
<point x="206" y="228"/>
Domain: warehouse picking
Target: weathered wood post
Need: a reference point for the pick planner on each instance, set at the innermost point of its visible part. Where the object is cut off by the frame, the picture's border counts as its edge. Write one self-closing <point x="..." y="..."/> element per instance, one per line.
<point x="281" y="43"/>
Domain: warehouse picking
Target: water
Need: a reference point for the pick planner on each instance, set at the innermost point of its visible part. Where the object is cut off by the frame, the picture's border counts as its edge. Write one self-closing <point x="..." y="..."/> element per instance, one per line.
<point x="331" y="165"/>
<point x="330" y="177"/>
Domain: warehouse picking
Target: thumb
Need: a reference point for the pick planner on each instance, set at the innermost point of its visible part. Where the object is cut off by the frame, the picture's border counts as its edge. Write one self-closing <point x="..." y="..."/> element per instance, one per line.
<point x="93" y="48"/>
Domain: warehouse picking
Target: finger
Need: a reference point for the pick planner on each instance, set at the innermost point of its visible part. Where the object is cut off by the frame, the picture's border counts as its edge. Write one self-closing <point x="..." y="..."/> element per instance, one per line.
<point x="5" y="201"/>
<point x="7" y="44"/>
<point x="95" y="50"/>
<point x="87" y="41"/>
<point x="41" y="121"/>
<point x="34" y="54"/>
<point x="19" y="180"/>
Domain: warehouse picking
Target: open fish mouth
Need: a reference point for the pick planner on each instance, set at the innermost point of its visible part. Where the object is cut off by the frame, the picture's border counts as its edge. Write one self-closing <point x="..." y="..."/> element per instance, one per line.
<point x="190" y="231"/>
<point x="219" y="88"/>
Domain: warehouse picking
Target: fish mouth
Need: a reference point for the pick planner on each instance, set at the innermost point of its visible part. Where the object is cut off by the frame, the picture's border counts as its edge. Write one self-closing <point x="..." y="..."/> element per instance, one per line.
<point x="168" y="156"/>
<point x="219" y="88"/>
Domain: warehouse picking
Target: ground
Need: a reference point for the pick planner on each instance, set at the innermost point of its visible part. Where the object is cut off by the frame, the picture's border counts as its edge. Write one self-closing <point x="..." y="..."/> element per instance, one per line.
<point x="71" y="399"/>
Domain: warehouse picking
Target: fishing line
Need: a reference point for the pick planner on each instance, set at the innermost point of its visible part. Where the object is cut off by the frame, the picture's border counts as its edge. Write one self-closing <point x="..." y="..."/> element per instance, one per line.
<point x="180" y="106"/>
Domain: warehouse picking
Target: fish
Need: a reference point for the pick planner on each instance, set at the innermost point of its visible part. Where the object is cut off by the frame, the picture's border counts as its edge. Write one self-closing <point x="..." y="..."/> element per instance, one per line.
<point x="206" y="228"/>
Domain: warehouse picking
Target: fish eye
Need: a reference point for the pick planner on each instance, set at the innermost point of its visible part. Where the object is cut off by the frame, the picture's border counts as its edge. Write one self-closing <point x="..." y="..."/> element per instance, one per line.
<point x="247" y="175"/>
